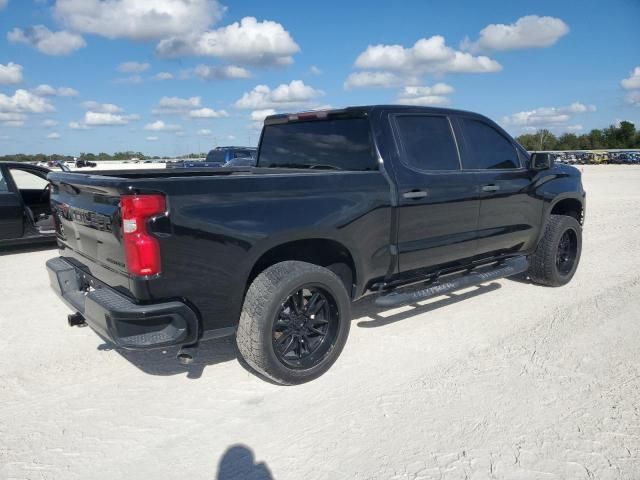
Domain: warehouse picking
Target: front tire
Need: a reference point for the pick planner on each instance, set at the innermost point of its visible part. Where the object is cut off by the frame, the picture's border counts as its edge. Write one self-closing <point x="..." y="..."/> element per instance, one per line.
<point x="556" y="259"/>
<point x="294" y="322"/>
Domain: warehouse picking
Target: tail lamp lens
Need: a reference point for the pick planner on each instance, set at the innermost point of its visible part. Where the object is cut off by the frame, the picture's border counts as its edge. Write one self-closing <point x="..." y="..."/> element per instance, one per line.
<point x="142" y="249"/>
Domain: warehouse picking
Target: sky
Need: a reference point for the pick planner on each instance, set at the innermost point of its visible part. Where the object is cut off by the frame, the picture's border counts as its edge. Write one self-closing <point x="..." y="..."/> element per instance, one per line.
<point x="167" y="77"/>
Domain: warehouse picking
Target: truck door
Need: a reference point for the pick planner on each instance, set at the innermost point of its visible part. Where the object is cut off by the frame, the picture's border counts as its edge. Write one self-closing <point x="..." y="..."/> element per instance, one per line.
<point x="11" y="211"/>
<point x="437" y="202"/>
<point x="510" y="212"/>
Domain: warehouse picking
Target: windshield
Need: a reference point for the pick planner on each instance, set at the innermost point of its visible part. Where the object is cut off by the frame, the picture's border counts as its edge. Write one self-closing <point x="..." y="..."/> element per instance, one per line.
<point x="342" y="144"/>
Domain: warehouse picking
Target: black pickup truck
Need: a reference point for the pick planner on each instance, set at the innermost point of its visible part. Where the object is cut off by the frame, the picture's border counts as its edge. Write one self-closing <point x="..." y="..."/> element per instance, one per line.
<point x="342" y="203"/>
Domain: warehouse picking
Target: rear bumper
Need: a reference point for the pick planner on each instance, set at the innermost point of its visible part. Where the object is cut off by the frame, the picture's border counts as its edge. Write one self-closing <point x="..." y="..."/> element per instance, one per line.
<point x="116" y="318"/>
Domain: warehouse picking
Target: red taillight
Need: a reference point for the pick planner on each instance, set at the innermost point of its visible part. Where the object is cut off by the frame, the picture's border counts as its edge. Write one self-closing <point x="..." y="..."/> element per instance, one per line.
<point x="141" y="248"/>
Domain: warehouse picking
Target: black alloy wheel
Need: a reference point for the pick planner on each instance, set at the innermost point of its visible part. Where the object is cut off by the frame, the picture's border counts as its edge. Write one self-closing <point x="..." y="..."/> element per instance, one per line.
<point x="567" y="252"/>
<point x="306" y="327"/>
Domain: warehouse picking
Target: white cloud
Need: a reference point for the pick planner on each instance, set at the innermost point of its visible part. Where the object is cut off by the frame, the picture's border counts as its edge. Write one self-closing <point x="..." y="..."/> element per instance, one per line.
<point x="547" y="115"/>
<point x="49" y="123"/>
<point x="258" y="116"/>
<point x="577" y="107"/>
<point x="426" y="95"/>
<point x="138" y="20"/>
<point x="427" y="55"/>
<point x="152" y="139"/>
<point x="574" y="128"/>
<point x="163" y="76"/>
<point x="102" y="114"/>
<point x="105" y="118"/>
<point x="53" y="136"/>
<point x="629" y="83"/>
<point x="313" y="70"/>
<point x="102" y="107"/>
<point x="216" y="72"/>
<point x="12" y="117"/>
<point x="633" y="98"/>
<point x="45" y="90"/>
<point x="133" y="67"/>
<point x="248" y="42"/>
<point x="294" y="94"/>
<point x="10" y="73"/>
<point x="176" y="105"/>
<point x="207" y="113"/>
<point x="160" y="126"/>
<point x="204" y="131"/>
<point x="3" y="3"/>
<point x="530" y="31"/>
<point x="46" y="41"/>
<point x="23" y="101"/>
<point x="372" y="79"/>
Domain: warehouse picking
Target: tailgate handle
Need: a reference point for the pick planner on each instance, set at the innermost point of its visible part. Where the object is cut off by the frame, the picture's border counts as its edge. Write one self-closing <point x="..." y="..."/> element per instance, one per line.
<point x="415" y="194"/>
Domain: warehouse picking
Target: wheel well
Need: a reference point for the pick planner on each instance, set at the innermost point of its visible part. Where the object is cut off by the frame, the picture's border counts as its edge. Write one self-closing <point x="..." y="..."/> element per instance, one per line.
<point x="325" y="253"/>
<point x="570" y="207"/>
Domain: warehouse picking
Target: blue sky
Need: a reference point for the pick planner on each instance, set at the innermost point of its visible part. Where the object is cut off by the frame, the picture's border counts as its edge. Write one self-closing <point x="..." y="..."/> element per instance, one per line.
<point x="172" y="76"/>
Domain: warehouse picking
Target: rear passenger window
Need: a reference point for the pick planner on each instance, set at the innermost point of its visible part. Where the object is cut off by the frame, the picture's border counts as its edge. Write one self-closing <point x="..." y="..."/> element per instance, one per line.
<point x="486" y="148"/>
<point x="428" y="142"/>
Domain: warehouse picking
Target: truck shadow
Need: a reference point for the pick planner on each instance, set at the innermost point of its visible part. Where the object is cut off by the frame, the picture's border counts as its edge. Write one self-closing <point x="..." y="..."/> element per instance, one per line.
<point x="378" y="317"/>
<point x="163" y="362"/>
<point x="39" y="247"/>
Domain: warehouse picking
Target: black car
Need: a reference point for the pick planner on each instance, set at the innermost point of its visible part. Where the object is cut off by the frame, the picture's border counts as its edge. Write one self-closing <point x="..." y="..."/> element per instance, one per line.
<point x="85" y="163"/>
<point x="341" y="204"/>
<point x="25" y="213"/>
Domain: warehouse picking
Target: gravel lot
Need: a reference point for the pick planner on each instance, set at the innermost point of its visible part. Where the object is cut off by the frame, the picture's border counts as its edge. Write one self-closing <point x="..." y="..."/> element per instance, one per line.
<point x="505" y="381"/>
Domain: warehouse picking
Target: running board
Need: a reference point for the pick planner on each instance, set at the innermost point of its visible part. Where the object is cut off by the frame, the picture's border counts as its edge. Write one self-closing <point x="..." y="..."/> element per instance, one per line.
<point x="507" y="268"/>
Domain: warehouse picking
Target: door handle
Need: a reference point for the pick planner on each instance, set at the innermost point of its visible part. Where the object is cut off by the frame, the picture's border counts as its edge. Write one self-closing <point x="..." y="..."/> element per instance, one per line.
<point x="415" y="194"/>
<point x="490" y="188"/>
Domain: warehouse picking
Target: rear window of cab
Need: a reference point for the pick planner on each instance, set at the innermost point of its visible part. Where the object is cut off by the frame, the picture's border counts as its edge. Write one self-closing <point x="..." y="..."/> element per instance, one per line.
<point x="334" y="144"/>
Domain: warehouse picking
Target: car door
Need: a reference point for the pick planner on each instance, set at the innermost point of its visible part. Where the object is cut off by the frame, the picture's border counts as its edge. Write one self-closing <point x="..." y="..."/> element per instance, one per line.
<point x="510" y="212"/>
<point x="11" y="211"/>
<point x="31" y="183"/>
<point x="437" y="202"/>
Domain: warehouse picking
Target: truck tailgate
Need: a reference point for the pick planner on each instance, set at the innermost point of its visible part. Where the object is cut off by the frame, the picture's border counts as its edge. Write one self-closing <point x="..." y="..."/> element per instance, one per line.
<point x="87" y="220"/>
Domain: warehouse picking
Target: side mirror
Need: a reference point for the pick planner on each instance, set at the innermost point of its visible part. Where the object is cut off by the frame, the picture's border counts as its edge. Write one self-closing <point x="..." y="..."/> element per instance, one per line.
<point x="541" y="161"/>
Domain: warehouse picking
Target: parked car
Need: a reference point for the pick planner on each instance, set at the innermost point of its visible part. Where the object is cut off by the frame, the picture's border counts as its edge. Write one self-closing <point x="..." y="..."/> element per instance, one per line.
<point x="223" y="155"/>
<point x="25" y="213"/>
<point x="241" y="162"/>
<point x="217" y="157"/>
<point x="85" y="163"/>
<point x="342" y="203"/>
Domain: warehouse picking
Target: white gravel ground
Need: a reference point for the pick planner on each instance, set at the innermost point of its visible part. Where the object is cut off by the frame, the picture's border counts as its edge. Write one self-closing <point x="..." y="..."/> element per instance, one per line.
<point x="507" y="381"/>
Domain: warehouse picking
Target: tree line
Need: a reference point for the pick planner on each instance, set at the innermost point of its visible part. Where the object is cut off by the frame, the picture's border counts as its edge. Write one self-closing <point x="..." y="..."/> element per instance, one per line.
<point x="91" y="157"/>
<point x="620" y="136"/>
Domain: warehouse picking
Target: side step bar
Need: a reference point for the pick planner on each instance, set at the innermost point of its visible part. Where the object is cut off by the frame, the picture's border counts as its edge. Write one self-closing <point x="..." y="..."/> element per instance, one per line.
<point x="507" y="268"/>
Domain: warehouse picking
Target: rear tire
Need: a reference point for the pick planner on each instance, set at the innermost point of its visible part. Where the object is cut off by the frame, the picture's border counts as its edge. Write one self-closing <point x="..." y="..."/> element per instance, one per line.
<point x="294" y="322"/>
<point x="556" y="259"/>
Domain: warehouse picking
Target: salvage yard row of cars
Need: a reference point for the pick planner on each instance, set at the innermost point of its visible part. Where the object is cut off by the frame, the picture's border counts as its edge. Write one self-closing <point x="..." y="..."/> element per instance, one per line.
<point x="597" y="157"/>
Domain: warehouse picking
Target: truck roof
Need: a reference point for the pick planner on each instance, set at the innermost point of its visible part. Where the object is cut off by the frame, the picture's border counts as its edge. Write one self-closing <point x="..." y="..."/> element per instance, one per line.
<point x="360" y="110"/>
